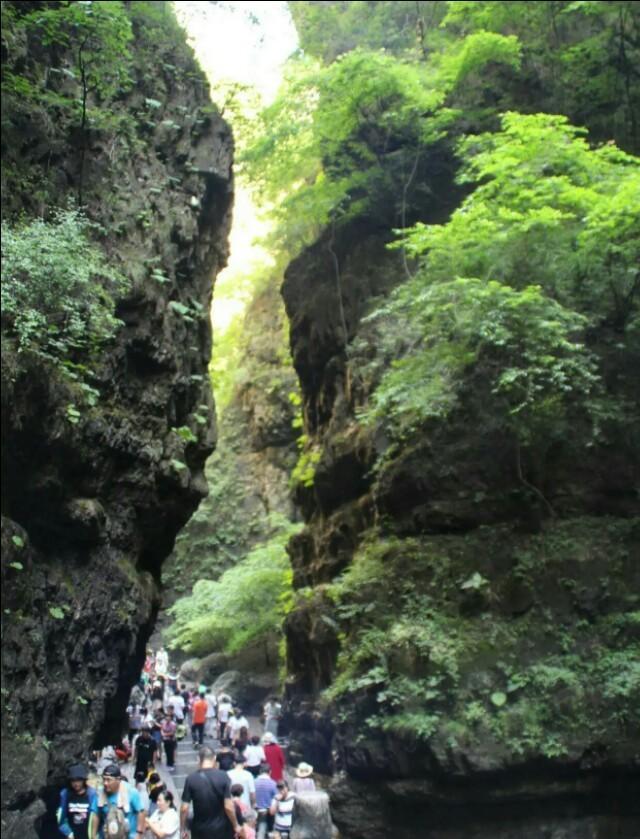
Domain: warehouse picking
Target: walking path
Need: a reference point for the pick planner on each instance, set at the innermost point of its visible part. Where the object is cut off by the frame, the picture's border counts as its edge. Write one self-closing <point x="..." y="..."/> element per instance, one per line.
<point x="187" y="760"/>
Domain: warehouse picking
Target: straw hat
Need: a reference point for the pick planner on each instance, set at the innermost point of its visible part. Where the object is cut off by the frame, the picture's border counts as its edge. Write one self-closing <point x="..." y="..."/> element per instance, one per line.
<point x="304" y="770"/>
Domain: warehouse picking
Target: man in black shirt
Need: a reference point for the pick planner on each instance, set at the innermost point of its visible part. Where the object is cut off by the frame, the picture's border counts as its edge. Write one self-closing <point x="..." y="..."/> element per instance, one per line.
<point x="225" y="758"/>
<point x="144" y="752"/>
<point x="78" y="810"/>
<point x="209" y="789"/>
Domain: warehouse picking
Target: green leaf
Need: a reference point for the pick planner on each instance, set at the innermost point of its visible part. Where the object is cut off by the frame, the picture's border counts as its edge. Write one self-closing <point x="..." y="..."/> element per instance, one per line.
<point x="186" y="434"/>
<point x="56" y="612"/>
<point x="475" y="582"/>
<point x="18" y="541"/>
<point x="178" y="465"/>
<point x="17" y="565"/>
<point x="499" y="698"/>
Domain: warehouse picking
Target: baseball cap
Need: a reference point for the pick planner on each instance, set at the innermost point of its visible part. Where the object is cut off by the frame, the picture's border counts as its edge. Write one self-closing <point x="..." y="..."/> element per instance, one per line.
<point x="78" y="772"/>
<point x="112" y="771"/>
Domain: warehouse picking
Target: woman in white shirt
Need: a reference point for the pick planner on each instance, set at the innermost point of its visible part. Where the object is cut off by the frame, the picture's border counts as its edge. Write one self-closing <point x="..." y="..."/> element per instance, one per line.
<point x="165" y="823"/>
<point x="254" y="756"/>
<point x="224" y="710"/>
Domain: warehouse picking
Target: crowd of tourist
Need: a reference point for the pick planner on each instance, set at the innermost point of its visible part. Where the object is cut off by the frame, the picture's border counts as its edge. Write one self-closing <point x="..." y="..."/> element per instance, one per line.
<point x="240" y="789"/>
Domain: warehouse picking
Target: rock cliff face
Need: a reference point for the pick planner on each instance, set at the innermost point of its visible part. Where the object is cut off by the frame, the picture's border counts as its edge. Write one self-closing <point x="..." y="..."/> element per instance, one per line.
<point x="478" y="656"/>
<point x="91" y="508"/>
<point x="248" y="475"/>
<point x="249" y="500"/>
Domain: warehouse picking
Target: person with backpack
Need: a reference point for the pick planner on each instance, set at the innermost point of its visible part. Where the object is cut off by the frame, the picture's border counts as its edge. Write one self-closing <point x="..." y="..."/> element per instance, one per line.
<point x="78" y="810"/>
<point x="120" y="811"/>
<point x="209" y="790"/>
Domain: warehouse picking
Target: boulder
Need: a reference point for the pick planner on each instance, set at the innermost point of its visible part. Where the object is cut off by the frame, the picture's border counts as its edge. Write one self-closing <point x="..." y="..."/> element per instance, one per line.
<point x="312" y="818"/>
<point x="247" y="690"/>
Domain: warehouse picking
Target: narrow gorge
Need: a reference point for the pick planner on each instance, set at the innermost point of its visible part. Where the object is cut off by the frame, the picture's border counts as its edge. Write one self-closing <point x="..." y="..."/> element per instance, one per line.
<point x="411" y="510"/>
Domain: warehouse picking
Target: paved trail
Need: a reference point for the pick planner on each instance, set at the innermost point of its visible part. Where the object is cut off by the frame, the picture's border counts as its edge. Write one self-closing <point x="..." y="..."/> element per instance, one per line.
<point x="187" y="760"/>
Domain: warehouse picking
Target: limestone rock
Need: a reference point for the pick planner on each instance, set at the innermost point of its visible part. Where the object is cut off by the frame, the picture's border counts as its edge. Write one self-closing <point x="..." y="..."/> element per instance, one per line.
<point x="91" y="509"/>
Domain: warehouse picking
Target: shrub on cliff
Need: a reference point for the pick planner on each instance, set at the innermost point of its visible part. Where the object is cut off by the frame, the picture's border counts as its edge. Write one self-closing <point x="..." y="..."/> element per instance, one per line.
<point x="509" y="294"/>
<point x="57" y="289"/>
<point x="245" y="607"/>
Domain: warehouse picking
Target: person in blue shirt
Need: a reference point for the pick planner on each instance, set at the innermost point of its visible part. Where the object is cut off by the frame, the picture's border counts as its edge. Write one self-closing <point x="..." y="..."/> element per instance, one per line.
<point x="78" y="810"/>
<point x="266" y="789"/>
<point x="117" y="795"/>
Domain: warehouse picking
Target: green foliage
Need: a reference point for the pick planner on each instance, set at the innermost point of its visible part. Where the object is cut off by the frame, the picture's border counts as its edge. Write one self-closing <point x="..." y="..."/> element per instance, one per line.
<point x="474" y="52"/>
<point x="340" y="139"/>
<point x="304" y="471"/>
<point x="244" y="607"/>
<point x="186" y="434"/>
<point x="327" y="30"/>
<point x="352" y="123"/>
<point x="523" y="341"/>
<point x="542" y="214"/>
<point x="414" y="666"/>
<point x="58" y="291"/>
<point x="578" y="56"/>
<point x="99" y="34"/>
<point x="549" y="211"/>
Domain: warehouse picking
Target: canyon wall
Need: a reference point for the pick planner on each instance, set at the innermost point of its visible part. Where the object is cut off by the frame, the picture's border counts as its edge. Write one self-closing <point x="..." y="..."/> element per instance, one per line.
<point x="93" y="498"/>
<point x="462" y="656"/>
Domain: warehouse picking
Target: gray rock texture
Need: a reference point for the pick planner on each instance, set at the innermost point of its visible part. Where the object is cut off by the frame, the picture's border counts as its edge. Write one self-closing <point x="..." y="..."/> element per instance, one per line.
<point x="547" y="759"/>
<point x="90" y="509"/>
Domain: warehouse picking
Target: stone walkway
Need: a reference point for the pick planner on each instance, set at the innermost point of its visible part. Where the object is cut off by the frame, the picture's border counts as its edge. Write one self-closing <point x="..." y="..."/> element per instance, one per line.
<point x="187" y="760"/>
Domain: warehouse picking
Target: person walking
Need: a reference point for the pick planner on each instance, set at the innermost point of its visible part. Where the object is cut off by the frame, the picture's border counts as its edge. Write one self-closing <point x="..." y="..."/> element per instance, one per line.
<point x="119" y="807"/>
<point x="156" y="733"/>
<point x="134" y="712"/>
<point x="237" y="723"/>
<point x="198" y="720"/>
<point x="177" y="700"/>
<point x="224" y="710"/>
<point x="303" y="781"/>
<point x="239" y="775"/>
<point x="164" y="823"/>
<point x="254" y="756"/>
<point x="212" y="714"/>
<point x="272" y="712"/>
<point x="209" y="791"/>
<point x="78" y="809"/>
<point x="274" y="756"/>
<point x="282" y="810"/>
<point x="168" y="731"/>
<point x="266" y="790"/>
<point x="144" y="751"/>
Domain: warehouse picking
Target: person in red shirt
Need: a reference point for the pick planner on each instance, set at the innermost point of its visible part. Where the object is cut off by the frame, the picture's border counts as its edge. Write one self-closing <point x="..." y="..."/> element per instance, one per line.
<point x="274" y="756"/>
<point x="198" y="719"/>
